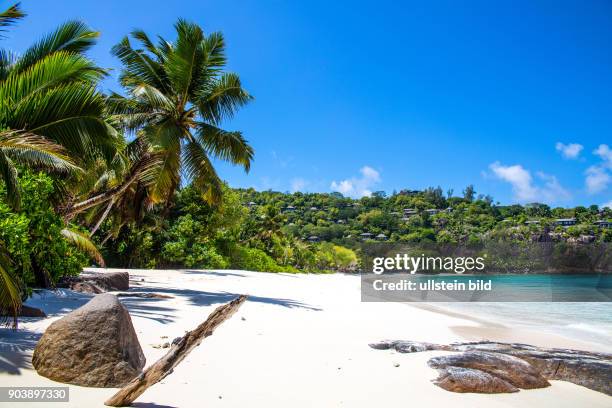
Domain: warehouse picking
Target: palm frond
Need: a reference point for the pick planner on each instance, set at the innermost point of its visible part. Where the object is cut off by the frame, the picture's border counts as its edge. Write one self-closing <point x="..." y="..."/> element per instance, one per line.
<point x="10" y="16"/>
<point x="83" y="243"/>
<point x="10" y="295"/>
<point x="168" y="145"/>
<point x="72" y="36"/>
<point x="7" y="60"/>
<point x="228" y="146"/>
<point x="37" y="152"/>
<point x="200" y="170"/>
<point x="71" y="115"/>
<point x="51" y="71"/>
<point x="138" y="66"/>
<point x="184" y="64"/>
<point x="8" y="173"/>
<point x="221" y="99"/>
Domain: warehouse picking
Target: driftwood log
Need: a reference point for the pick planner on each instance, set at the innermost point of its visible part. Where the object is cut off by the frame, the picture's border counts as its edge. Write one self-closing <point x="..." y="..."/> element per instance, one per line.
<point x="180" y="348"/>
<point x="493" y="367"/>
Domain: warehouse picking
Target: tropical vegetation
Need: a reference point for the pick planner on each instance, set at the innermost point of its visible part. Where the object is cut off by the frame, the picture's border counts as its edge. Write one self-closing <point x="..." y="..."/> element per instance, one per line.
<point x="127" y="179"/>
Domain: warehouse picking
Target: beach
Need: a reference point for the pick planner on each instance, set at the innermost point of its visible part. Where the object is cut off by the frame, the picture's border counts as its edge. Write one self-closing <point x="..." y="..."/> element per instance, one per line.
<point x="301" y="340"/>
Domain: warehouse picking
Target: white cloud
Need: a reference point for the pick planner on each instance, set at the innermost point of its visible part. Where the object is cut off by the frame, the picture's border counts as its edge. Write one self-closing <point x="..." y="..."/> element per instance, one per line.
<point x="281" y="160"/>
<point x="608" y="204"/>
<point x="597" y="179"/>
<point x="358" y="186"/>
<point x="298" y="184"/>
<point x="519" y="178"/>
<point x="552" y="190"/>
<point x="569" y="151"/>
<point x="598" y="176"/>
<point x="605" y="153"/>
<point x="523" y="185"/>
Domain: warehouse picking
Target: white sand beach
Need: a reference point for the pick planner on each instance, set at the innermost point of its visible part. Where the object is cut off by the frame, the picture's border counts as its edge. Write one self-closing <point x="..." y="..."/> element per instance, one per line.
<point x="299" y="341"/>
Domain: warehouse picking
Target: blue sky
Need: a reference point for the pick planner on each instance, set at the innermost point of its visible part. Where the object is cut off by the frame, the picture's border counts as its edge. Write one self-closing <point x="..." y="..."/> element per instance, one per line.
<point x="513" y="97"/>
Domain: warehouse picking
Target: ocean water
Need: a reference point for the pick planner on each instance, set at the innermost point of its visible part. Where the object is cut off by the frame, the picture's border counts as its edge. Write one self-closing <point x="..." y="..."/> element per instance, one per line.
<point x="584" y="321"/>
<point x="576" y="306"/>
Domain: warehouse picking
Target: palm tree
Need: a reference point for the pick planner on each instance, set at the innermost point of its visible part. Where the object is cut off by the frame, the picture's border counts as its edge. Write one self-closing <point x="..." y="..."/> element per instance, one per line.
<point x="178" y="96"/>
<point x="10" y="296"/>
<point x="48" y="96"/>
<point x="52" y="118"/>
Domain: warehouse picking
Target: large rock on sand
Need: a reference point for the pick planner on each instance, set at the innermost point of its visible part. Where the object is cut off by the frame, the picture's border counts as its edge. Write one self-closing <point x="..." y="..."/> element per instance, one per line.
<point x="97" y="282"/>
<point x="94" y="345"/>
<point x="478" y="371"/>
<point x="493" y="367"/>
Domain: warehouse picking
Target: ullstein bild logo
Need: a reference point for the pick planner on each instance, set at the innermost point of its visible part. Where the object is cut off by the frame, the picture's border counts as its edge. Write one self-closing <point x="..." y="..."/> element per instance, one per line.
<point x="411" y="264"/>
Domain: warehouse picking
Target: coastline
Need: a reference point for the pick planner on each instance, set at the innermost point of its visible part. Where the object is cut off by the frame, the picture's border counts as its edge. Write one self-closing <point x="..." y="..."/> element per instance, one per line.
<point x="296" y="334"/>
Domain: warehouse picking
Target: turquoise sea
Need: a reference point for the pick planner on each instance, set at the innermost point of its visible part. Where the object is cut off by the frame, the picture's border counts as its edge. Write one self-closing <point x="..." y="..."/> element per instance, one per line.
<point x="577" y="306"/>
<point x="584" y="321"/>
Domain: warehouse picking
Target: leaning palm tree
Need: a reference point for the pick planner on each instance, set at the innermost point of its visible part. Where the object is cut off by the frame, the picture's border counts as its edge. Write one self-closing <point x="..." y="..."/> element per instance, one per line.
<point x="177" y="97"/>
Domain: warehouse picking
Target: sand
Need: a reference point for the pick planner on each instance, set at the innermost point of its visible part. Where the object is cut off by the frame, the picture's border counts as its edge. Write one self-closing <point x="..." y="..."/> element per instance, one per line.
<point x="300" y="341"/>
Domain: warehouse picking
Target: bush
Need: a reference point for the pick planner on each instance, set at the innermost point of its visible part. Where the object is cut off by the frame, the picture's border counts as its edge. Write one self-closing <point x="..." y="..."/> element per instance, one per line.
<point x="32" y="235"/>
<point x="189" y="246"/>
<point x="254" y="259"/>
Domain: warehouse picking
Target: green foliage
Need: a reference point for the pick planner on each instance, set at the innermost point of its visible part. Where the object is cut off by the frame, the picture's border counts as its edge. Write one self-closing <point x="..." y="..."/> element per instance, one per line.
<point x="335" y="257"/>
<point x="33" y="237"/>
<point x="253" y="259"/>
<point x="189" y="245"/>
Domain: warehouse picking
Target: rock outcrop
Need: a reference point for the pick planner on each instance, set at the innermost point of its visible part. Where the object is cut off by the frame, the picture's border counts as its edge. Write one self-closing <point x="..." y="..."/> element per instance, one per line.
<point x="29" y="311"/>
<point x="97" y="282"/>
<point x="491" y="367"/>
<point x="94" y="345"/>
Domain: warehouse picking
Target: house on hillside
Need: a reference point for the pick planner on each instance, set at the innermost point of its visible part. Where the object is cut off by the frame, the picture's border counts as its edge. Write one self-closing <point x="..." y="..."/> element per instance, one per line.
<point x="408" y="212"/>
<point x="381" y="237"/>
<point x="532" y="222"/>
<point x="251" y="204"/>
<point x="432" y="211"/>
<point x="603" y="224"/>
<point x="314" y="239"/>
<point x="565" y="222"/>
<point x="366" y="235"/>
<point x="289" y="208"/>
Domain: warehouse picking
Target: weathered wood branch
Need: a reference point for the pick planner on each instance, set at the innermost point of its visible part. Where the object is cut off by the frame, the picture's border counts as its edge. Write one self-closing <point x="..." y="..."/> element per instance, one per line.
<point x="181" y="347"/>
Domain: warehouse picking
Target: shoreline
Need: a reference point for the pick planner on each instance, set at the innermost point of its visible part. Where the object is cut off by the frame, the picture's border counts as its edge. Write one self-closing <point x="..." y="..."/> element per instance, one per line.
<point x="295" y="333"/>
<point x="487" y="328"/>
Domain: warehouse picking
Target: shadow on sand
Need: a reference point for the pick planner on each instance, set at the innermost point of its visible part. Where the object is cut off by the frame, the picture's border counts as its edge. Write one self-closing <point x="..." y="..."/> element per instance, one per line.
<point x="151" y="308"/>
<point x="219" y="273"/>
<point x="16" y="346"/>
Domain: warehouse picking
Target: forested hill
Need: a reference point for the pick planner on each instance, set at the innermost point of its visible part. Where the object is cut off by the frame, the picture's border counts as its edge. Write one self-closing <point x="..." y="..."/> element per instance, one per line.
<point x="414" y="216"/>
<point x="317" y="232"/>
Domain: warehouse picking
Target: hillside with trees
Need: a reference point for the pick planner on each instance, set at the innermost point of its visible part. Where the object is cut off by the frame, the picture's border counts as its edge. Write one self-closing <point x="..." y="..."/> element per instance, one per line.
<point x="320" y="232"/>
